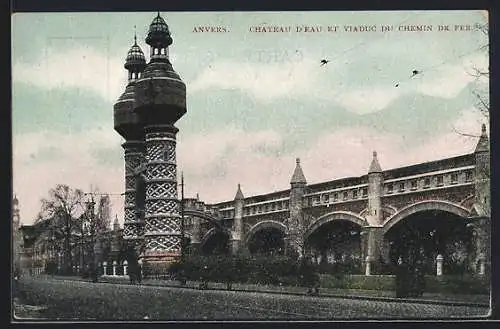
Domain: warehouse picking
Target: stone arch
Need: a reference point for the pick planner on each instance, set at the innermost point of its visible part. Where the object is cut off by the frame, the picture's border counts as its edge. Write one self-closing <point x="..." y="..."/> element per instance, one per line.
<point x="209" y="234"/>
<point x="263" y="225"/>
<point x="205" y="216"/>
<point x="391" y="210"/>
<point x="334" y="216"/>
<point x="424" y="206"/>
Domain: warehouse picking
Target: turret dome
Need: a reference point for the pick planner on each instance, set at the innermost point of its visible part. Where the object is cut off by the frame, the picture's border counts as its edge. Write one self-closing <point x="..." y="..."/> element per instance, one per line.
<point x="135" y="60"/>
<point x="158" y="34"/>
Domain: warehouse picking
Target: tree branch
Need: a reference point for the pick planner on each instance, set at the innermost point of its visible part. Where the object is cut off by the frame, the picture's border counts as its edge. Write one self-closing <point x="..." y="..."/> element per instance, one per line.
<point x="464" y="134"/>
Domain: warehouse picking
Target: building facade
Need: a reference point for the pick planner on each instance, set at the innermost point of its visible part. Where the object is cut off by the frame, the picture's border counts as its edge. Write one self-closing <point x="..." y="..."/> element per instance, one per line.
<point x="37" y="251"/>
<point x="438" y="210"/>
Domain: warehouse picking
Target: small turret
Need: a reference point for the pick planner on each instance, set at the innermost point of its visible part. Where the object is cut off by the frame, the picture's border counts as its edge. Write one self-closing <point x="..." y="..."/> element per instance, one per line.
<point x="374" y="166"/>
<point x="298" y="175"/>
<point x="482" y="174"/>
<point x="116" y="224"/>
<point x="159" y="34"/>
<point x="160" y="94"/>
<point x="135" y="62"/>
<point x="237" y="231"/>
<point x="239" y="194"/>
<point x="483" y="145"/>
<point x="126" y="121"/>
<point x="375" y="178"/>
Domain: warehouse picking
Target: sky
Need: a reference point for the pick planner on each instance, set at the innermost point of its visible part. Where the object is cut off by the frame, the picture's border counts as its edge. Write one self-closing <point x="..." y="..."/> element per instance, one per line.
<point x="256" y="100"/>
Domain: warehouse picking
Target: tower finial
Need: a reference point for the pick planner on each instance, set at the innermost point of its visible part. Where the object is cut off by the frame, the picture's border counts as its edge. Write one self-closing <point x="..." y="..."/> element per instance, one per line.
<point x="374" y="166"/>
<point x="298" y="176"/>
<point x="135" y="35"/>
<point x="483" y="143"/>
<point x="239" y="194"/>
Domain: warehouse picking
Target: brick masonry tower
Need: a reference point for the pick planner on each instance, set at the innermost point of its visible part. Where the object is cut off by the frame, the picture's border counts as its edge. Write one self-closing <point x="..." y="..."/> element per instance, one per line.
<point x="160" y="100"/>
<point x="482" y="204"/>
<point x="237" y="229"/>
<point x="294" y="238"/>
<point x="127" y="124"/>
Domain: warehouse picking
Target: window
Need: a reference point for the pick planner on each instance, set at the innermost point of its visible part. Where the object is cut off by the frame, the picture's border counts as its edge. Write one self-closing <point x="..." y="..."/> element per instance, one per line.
<point x="309" y="201"/>
<point x="414" y="184"/>
<point x="401" y="186"/>
<point x="345" y="195"/>
<point x="454" y="178"/>
<point x="427" y="182"/>
<point x="390" y="188"/>
<point x="439" y="180"/>
<point x="468" y="176"/>
<point x="365" y="191"/>
<point x="354" y="194"/>
<point x="273" y="207"/>
<point x="335" y="196"/>
<point x="326" y="198"/>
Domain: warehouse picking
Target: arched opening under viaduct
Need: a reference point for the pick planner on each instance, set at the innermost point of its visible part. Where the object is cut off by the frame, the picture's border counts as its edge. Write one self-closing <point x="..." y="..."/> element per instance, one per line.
<point x="335" y="244"/>
<point x="267" y="241"/>
<point x="216" y="243"/>
<point x="420" y="237"/>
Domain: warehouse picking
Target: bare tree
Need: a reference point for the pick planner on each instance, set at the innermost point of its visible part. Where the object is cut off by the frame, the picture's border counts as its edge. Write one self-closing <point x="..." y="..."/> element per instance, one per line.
<point x="482" y="98"/>
<point x="480" y="74"/>
<point x="60" y="214"/>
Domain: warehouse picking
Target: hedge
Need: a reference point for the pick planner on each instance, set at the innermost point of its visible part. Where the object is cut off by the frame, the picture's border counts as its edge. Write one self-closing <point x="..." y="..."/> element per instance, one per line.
<point x="447" y="284"/>
<point x="362" y="282"/>
<point x="280" y="270"/>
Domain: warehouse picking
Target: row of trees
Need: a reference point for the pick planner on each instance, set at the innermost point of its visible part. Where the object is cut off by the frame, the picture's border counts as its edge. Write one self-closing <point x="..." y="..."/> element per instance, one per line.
<point x="73" y="224"/>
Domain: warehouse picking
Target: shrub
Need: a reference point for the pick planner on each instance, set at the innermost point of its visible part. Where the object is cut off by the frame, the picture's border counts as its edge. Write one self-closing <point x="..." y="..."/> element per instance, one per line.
<point x="372" y="282"/>
<point x="51" y="267"/>
<point x="457" y="284"/>
<point x="244" y="269"/>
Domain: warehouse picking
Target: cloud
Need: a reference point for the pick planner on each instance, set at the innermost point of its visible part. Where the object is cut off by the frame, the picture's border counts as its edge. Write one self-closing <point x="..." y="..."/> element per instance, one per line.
<point x="261" y="80"/>
<point x="367" y="100"/>
<point x="79" y="67"/>
<point x="449" y="79"/>
<point x="74" y="166"/>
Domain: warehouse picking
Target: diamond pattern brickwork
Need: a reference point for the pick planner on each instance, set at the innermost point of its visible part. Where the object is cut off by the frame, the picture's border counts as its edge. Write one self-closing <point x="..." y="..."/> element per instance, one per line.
<point x="154" y="207"/>
<point x="162" y="224"/>
<point x="161" y="171"/>
<point x="162" y="220"/>
<point x="164" y="243"/>
<point x="156" y="190"/>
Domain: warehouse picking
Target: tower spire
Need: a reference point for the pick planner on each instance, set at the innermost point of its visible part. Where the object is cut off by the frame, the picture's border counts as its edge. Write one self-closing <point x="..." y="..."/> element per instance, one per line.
<point x="298" y="175"/>
<point x="135" y="35"/>
<point x="483" y="143"/>
<point x="239" y="194"/>
<point x="374" y="166"/>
